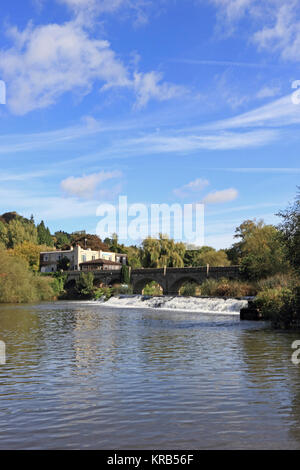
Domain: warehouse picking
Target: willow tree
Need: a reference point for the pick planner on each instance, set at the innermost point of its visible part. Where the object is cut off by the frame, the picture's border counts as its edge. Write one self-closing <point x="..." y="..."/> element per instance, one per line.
<point x="162" y="251"/>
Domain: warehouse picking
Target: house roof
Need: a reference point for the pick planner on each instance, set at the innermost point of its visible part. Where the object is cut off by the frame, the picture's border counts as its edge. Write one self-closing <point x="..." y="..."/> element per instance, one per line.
<point x="101" y="261"/>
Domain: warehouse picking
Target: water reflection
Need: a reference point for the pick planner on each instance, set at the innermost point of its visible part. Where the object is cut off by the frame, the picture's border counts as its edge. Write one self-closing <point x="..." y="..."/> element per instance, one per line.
<point x="86" y="376"/>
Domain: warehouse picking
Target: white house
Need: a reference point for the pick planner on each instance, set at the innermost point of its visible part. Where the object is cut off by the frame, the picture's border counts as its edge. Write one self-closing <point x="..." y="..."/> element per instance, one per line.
<point x="77" y="256"/>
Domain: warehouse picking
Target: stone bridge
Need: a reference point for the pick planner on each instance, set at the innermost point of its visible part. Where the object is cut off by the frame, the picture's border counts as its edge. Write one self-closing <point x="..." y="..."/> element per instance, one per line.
<point x="170" y="279"/>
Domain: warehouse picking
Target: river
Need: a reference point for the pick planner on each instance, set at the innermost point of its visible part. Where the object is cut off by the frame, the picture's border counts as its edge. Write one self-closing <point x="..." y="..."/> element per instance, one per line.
<point x="92" y="376"/>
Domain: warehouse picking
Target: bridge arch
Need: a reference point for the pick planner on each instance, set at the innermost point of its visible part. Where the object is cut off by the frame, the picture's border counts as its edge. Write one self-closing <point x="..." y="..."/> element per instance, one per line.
<point x="140" y="285"/>
<point x="106" y="281"/>
<point x="176" y="286"/>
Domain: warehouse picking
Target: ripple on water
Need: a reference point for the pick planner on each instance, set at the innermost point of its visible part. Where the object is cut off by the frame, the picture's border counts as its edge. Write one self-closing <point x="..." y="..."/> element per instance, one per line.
<point x="82" y="376"/>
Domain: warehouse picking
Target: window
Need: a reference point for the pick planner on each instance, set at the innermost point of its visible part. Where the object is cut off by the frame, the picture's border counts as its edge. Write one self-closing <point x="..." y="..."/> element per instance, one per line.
<point x="93" y="258"/>
<point x="83" y="258"/>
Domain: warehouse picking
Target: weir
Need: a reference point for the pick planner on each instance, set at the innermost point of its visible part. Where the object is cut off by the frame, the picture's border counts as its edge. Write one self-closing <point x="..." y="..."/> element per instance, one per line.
<point x="190" y="304"/>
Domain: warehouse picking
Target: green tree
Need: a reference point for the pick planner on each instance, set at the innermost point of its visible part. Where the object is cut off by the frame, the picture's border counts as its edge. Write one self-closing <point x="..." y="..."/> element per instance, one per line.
<point x="125" y="274"/>
<point x="4" y="238"/>
<point x="85" y="284"/>
<point x="133" y="256"/>
<point x="262" y="252"/>
<point x="44" y="235"/>
<point x="290" y="229"/>
<point x="206" y="255"/>
<point x="61" y="239"/>
<point x="162" y="251"/>
<point x="18" y="284"/>
<point x="213" y="258"/>
<point x="63" y="264"/>
<point x="20" y="231"/>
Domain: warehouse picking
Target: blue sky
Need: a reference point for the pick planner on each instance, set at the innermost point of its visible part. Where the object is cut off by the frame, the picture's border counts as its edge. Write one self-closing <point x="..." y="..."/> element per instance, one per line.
<point x="164" y="101"/>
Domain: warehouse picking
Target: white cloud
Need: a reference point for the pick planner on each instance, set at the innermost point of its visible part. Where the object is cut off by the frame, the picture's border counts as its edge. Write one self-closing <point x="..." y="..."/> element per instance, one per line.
<point x="168" y="143"/>
<point x="281" y="112"/>
<point x="219" y="197"/>
<point x="284" y="34"/>
<point x="230" y="11"/>
<point x="148" y="85"/>
<point x="276" y="23"/>
<point x="49" y="60"/>
<point x="268" y="92"/>
<point x="97" y="7"/>
<point x="86" y="185"/>
<point x="191" y="188"/>
<point x="46" y="61"/>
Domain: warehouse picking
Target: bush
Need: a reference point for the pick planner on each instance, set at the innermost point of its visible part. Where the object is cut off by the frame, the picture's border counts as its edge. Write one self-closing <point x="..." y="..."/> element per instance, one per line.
<point x="122" y="289"/>
<point x="279" y="280"/>
<point x="58" y="283"/>
<point x="102" y="292"/>
<point x="44" y="287"/>
<point x="85" y="285"/>
<point x="281" y="306"/>
<point x="188" y="289"/>
<point x="18" y="284"/>
<point x="153" y="289"/>
<point x="227" y="288"/>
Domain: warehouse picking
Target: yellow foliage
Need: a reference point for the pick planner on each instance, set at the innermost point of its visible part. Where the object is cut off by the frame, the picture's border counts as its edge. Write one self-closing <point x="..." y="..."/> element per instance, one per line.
<point x="30" y="253"/>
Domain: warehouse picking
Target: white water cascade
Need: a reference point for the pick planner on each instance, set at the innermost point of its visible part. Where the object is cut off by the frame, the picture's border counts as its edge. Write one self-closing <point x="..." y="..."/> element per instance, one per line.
<point x="191" y="304"/>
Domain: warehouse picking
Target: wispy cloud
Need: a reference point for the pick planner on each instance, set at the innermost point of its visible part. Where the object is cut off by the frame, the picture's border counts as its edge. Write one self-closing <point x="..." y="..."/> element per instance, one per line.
<point x="87" y="186"/>
<point x="280" y="33"/>
<point x="219" y="197"/>
<point x="261" y="170"/>
<point x="268" y="92"/>
<point x="224" y="63"/>
<point x="192" y="188"/>
<point x="284" y="34"/>
<point x="278" y="113"/>
<point x="88" y="10"/>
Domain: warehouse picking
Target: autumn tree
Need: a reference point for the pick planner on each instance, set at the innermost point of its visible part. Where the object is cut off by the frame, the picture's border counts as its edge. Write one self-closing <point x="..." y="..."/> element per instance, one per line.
<point x="30" y="253"/>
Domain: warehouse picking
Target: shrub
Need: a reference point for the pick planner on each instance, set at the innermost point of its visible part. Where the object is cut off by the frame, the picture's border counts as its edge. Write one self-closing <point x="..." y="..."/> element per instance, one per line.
<point x="102" y="292"/>
<point x="18" y="284"/>
<point x="58" y="283"/>
<point x="227" y="288"/>
<point x="152" y="288"/>
<point x="44" y="287"/>
<point x="279" y="280"/>
<point x="281" y="306"/>
<point x="85" y="285"/>
<point x="122" y="289"/>
<point x="188" y="289"/>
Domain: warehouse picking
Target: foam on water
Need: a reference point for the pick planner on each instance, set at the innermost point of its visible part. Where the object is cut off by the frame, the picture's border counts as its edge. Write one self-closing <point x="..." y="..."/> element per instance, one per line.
<point x="191" y="304"/>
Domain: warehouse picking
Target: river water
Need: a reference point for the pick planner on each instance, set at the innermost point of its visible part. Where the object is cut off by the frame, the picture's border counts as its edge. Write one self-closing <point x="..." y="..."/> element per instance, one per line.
<point x="93" y="376"/>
